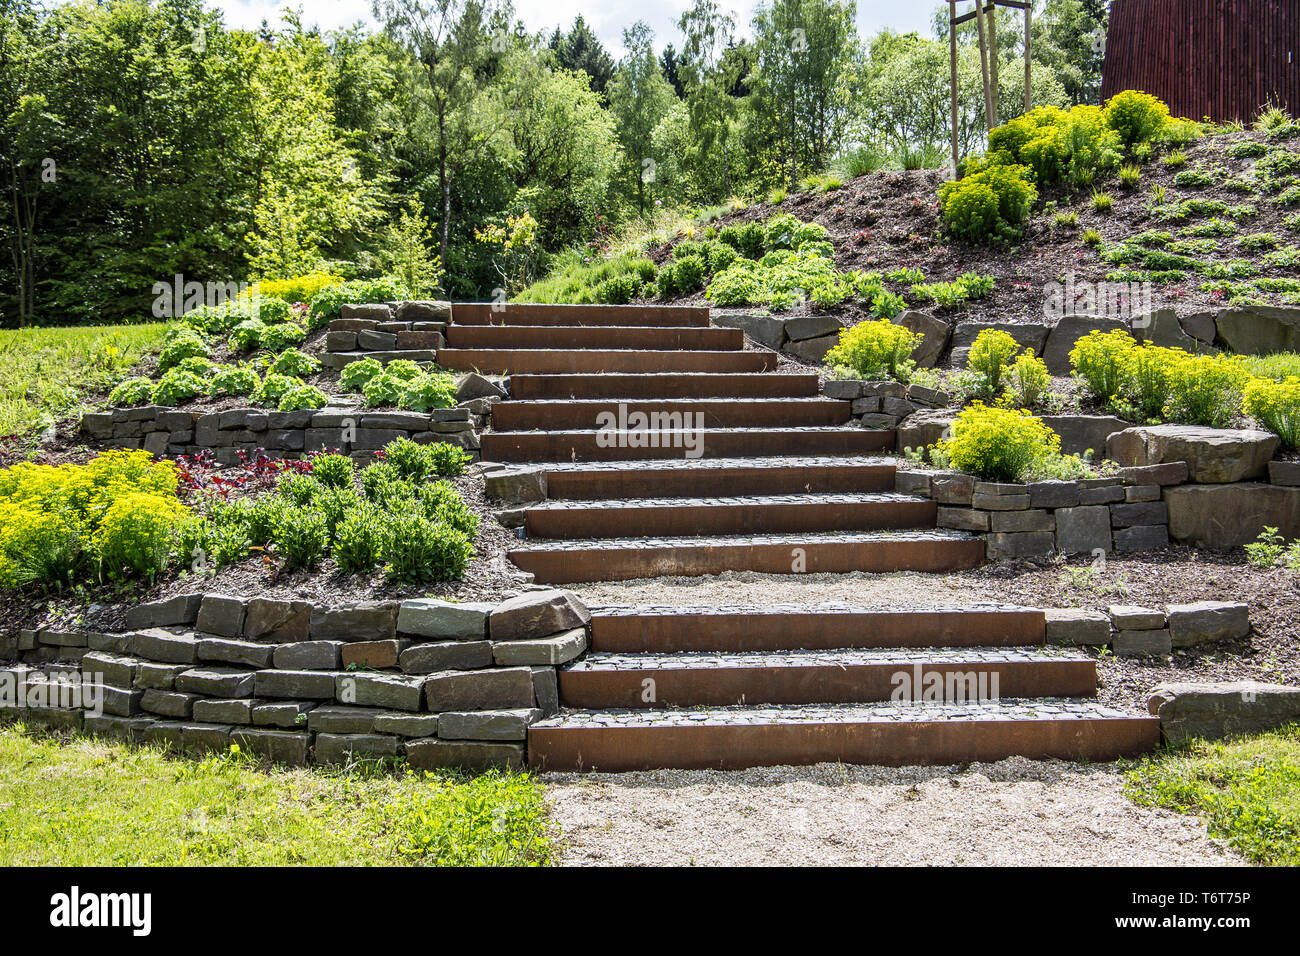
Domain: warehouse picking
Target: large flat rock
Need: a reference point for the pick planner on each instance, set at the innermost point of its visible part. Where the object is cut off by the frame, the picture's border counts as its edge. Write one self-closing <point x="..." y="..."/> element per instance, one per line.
<point x="1260" y="329"/>
<point x="1213" y="455"/>
<point x="1079" y="433"/>
<point x="1221" y="709"/>
<point x="1066" y="332"/>
<point x="1228" y="516"/>
<point x="935" y="333"/>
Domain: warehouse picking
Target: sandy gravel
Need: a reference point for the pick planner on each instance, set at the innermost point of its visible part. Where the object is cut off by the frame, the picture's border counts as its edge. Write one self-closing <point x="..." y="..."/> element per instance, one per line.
<point x="1015" y="812"/>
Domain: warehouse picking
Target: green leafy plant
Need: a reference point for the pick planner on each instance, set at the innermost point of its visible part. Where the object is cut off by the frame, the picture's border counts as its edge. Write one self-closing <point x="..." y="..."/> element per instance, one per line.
<point x="1029" y="380"/>
<point x="302" y="397"/>
<point x="134" y="391"/>
<point x="999" y="444"/>
<point x="1276" y="406"/>
<point x="359" y="539"/>
<point x="416" y="550"/>
<point x="277" y="338"/>
<point x="1205" y="390"/>
<point x="301" y="538"/>
<point x="877" y="349"/>
<point x="989" y="356"/>
<point x="235" y="380"/>
<point x="178" y="387"/>
<point x="355" y="375"/>
<point x="295" y="363"/>
<point x="1265" y="550"/>
<point x="274" y="387"/>
<point x="333" y="470"/>
<point x="1100" y="359"/>
<point x="992" y="203"/>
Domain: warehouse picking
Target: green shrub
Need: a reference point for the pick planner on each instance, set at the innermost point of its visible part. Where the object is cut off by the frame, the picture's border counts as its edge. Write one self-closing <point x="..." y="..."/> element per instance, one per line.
<point x="429" y="391"/>
<point x="877" y="349"/>
<point x="1101" y="360"/>
<point x="1147" y="379"/>
<point x="993" y="203"/>
<point x="1136" y="117"/>
<point x="359" y="539"/>
<point x="334" y="503"/>
<point x="998" y="444"/>
<point x="1029" y="380"/>
<point x="273" y="388"/>
<point x="134" y="537"/>
<point x="235" y="380"/>
<point x="382" y="485"/>
<point x="620" y="289"/>
<point x="301" y="538"/>
<point x="177" y="387"/>
<point x="134" y="391"/>
<point x="247" y="335"/>
<point x="301" y="490"/>
<point x="384" y="389"/>
<point x="293" y="362"/>
<point x="748" y="239"/>
<point x="1205" y="390"/>
<point x="719" y="255"/>
<point x="441" y="503"/>
<point x="327" y="303"/>
<point x="263" y="516"/>
<point x="271" y="309"/>
<point x="355" y="375"/>
<point x="1276" y="406"/>
<point x="988" y="359"/>
<point x="416" y="550"/>
<point x="180" y="343"/>
<point x="277" y="338"/>
<point x="302" y="397"/>
<point x="333" y="470"/>
<point x="681" y="276"/>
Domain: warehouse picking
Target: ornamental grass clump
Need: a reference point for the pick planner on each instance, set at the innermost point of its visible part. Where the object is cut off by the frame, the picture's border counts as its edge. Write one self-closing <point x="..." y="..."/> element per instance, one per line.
<point x="999" y="444"/>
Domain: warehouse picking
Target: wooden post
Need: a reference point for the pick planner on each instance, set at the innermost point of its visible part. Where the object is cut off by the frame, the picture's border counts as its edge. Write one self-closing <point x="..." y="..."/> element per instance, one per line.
<point x="984" y="62"/>
<point x="992" y="11"/>
<point x="1029" y="99"/>
<point x="952" y="58"/>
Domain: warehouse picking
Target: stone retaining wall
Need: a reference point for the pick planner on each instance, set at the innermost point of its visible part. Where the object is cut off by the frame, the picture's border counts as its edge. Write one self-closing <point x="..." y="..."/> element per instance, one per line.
<point x="440" y="683"/>
<point x="1124" y="513"/>
<point x="1143" y="632"/>
<point x="386" y="331"/>
<point x="350" y="428"/>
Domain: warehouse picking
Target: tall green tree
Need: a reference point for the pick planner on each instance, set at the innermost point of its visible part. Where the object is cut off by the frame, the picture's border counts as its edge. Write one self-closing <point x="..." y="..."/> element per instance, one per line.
<point x="708" y="77"/>
<point x="639" y="98"/>
<point x="581" y="49"/>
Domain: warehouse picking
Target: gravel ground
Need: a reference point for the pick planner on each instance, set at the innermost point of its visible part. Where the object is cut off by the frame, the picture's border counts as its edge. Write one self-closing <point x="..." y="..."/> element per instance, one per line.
<point x="1030" y="813"/>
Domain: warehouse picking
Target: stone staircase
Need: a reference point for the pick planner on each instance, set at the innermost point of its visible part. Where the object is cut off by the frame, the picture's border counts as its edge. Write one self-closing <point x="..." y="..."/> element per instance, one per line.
<point x="668" y="448"/>
<point x="708" y="461"/>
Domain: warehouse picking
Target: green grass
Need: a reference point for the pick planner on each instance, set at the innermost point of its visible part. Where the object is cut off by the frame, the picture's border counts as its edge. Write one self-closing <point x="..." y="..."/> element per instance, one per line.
<point x="572" y="280"/>
<point x="1247" y="788"/>
<point x="46" y="373"/>
<point x="89" y="802"/>
<point x="1278" y="365"/>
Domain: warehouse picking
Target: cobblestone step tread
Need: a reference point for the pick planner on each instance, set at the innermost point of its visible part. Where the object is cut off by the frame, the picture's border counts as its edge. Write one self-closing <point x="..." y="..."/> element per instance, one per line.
<point x="738" y="501"/>
<point x="791" y="540"/>
<point x="851" y="657"/>
<point x="1046" y="708"/>
<point x="670" y="464"/>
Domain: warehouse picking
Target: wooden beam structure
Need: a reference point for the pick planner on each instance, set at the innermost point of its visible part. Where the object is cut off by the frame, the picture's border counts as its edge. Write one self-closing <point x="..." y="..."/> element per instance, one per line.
<point x="985" y="16"/>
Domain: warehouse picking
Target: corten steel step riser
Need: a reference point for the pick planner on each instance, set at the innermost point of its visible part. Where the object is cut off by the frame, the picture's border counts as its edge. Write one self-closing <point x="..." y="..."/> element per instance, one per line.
<point x="825" y="684"/>
<point x="705" y="482"/>
<point x="527" y="313"/>
<point x="665" y="385"/>
<point x="583" y="446"/>
<point x="593" y="337"/>
<point x="666" y="633"/>
<point x="680" y="520"/>
<point x="885" y="744"/>
<point x="724" y="413"/>
<point x="575" y="565"/>
<point x="561" y="361"/>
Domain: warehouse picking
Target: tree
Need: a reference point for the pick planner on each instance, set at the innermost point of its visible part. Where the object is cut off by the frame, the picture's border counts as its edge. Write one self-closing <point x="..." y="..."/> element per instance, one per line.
<point x="803" y="79"/>
<point x="581" y="49"/>
<point x="670" y="66"/>
<point x="708" y="77"/>
<point x="639" y="97"/>
<point x="458" y="43"/>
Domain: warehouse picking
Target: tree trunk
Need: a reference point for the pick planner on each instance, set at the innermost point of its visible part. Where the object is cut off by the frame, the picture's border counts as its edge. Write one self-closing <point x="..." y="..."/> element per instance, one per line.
<point x="444" y="182"/>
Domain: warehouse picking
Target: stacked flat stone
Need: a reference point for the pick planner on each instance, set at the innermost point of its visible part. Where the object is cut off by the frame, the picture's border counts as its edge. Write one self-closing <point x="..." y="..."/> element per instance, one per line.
<point x="1042" y="517"/>
<point x="386" y="331"/>
<point x="1139" y="631"/>
<point x="883" y="404"/>
<point x="348" y="427"/>
<point x="442" y="683"/>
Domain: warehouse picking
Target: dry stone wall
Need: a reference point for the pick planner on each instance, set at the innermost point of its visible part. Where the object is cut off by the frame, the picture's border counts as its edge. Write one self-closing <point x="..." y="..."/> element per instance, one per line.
<point x="441" y="683"/>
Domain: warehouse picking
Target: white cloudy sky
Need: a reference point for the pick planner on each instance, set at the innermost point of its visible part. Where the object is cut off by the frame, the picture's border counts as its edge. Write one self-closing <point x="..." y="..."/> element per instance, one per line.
<point x="607" y="17"/>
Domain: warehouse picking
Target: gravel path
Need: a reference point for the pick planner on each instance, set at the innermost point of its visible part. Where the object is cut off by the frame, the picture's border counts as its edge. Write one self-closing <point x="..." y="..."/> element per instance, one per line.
<point x="1015" y="812"/>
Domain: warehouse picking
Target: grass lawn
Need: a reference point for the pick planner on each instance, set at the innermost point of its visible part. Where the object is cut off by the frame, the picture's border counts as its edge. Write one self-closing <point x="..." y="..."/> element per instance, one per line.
<point x="45" y="373"/>
<point x="1247" y="788"/>
<point x="86" y="802"/>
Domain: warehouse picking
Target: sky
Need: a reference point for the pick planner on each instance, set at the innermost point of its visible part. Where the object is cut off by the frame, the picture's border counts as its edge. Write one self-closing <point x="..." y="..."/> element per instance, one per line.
<point x="606" y="17"/>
